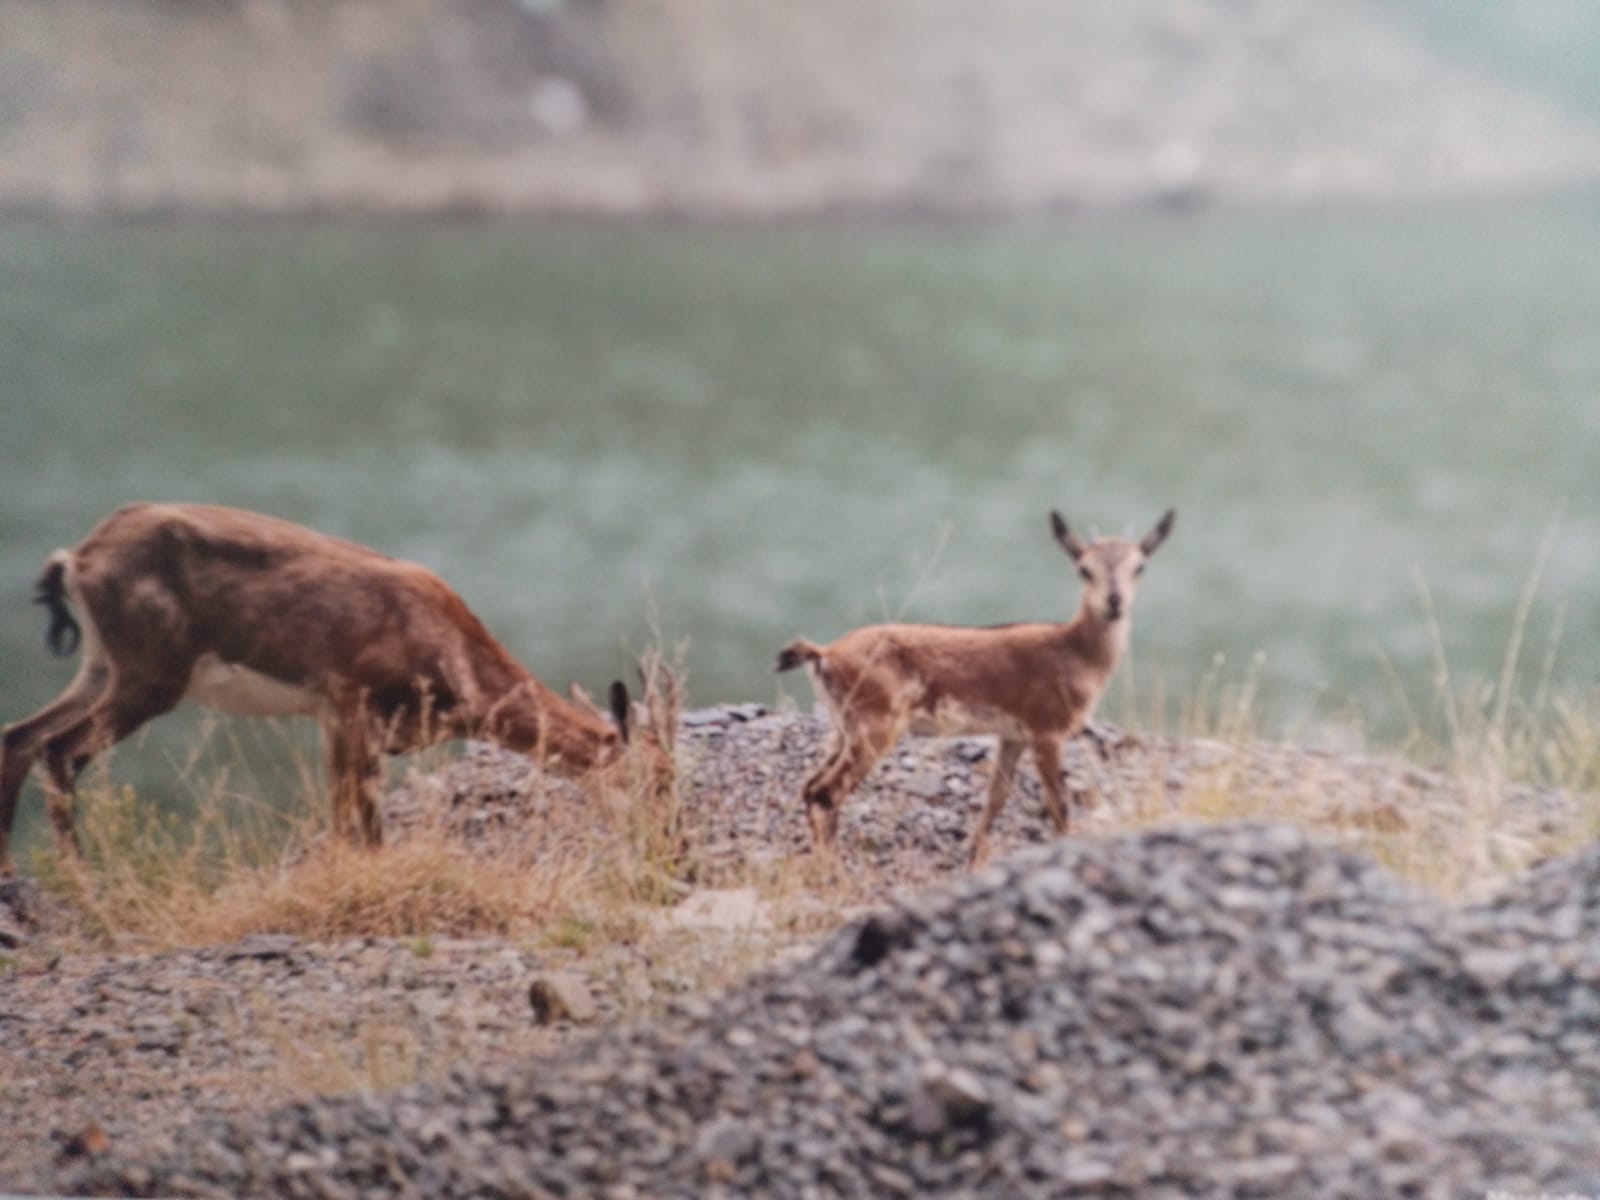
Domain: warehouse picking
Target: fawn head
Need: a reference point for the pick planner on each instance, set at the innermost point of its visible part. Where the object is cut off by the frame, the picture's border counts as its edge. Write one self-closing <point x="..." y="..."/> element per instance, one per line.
<point x="1110" y="567"/>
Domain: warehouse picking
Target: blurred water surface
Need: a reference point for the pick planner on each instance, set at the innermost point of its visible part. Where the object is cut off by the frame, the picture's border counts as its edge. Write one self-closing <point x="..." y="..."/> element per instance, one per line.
<point x="734" y="436"/>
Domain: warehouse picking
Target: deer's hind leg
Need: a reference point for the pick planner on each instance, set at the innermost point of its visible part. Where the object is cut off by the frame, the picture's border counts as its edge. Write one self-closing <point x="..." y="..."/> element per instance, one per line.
<point x="22" y="743"/>
<point x="130" y="702"/>
<point x="858" y="746"/>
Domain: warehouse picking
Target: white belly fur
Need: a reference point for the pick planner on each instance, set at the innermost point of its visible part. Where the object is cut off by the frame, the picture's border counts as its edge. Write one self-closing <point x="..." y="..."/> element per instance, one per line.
<point x="952" y="719"/>
<point x="242" y="692"/>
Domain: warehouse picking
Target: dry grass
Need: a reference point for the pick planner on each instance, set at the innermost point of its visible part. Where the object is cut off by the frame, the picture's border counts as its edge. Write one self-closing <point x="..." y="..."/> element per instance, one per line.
<point x="1521" y="763"/>
<point x="1504" y="784"/>
<point x="155" y="882"/>
<point x="152" y="880"/>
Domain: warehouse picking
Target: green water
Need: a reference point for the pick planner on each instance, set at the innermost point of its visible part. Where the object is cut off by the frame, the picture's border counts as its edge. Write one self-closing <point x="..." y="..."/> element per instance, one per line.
<point x="734" y="436"/>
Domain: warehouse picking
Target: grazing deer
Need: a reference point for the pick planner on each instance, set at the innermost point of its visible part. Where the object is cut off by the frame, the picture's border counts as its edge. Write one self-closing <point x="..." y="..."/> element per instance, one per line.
<point x="256" y="616"/>
<point x="1032" y="684"/>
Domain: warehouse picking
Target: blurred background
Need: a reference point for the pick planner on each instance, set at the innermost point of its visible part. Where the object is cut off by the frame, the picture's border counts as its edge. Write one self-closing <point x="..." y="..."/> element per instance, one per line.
<point x="721" y="322"/>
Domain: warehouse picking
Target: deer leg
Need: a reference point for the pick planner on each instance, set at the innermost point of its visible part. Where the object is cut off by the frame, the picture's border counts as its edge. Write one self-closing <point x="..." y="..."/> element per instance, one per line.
<point x="354" y="770"/>
<point x="1005" y="770"/>
<point x="852" y="760"/>
<point x="1047" y="757"/>
<point x="21" y="744"/>
<point x="70" y="747"/>
<point x="818" y="791"/>
<point x="821" y="795"/>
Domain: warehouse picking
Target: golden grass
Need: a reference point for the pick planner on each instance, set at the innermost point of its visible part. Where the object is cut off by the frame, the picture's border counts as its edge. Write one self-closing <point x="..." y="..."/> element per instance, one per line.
<point x="148" y="880"/>
<point x="1465" y="817"/>
<point x="1489" y="737"/>
<point x="237" y="866"/>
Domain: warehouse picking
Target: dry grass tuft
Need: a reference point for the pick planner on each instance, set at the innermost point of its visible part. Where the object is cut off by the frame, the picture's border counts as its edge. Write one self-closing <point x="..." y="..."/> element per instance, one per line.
<point x="234" y="867"/>
<point x="147" y="880"/>
<point x="1521" y="762"/>
<point x="421" y="885"/>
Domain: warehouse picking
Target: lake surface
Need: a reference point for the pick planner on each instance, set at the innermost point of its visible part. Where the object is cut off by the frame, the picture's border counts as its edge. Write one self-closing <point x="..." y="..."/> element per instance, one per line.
<point x="600" y="435"/>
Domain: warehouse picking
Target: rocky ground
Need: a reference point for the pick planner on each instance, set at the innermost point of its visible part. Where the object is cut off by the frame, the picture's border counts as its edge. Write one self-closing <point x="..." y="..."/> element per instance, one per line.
<point x="1223" y="1011"/>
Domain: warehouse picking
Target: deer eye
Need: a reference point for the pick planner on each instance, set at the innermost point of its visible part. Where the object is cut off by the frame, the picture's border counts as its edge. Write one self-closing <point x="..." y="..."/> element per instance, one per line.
<point x="1083" y="574"/>
<point x="1139" y="570"/>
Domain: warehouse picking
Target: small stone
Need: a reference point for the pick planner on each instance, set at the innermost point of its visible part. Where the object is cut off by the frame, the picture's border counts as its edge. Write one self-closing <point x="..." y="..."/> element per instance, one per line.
<point x="264" y="947"/>
<point x="727" y="1140"/>
<point x="947" y="1098"/>
<point x="560" y="996"/>
<point x="1087" y="1172"/>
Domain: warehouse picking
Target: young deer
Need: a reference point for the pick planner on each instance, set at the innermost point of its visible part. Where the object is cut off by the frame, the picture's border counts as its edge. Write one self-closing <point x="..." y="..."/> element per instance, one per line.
<point x="1032" y="685"/>
<point x="259" y="617"/>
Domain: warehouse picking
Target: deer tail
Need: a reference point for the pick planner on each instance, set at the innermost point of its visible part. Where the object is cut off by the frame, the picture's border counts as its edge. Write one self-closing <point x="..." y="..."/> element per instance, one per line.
<point x="51" y="591"/>
<point x="797" y="653"/>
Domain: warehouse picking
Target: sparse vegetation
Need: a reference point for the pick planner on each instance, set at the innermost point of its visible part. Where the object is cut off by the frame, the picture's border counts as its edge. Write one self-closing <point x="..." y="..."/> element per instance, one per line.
<point x="590" y="881"/>
<point x="154" y="880"/>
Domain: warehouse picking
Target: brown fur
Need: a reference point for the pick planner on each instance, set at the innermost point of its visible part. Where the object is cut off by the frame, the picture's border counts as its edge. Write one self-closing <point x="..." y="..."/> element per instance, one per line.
<point x="381" y="652"/>
<point x="1031" y="685"/>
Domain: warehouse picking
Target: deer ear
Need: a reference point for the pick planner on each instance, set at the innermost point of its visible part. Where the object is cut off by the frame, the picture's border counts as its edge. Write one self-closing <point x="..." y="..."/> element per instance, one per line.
<point x="621" y="706"/>
<point x="1159" y="534"/>
<point x="1070" y="541"/>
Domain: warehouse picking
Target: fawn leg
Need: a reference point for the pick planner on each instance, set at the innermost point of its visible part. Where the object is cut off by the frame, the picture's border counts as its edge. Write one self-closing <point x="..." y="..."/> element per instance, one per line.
<point x="1005" y="771"/>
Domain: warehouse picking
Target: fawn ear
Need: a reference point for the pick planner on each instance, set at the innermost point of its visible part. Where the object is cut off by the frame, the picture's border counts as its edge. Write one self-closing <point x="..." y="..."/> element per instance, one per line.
<point x="621" y="706"/>
<point x="1070" y="541"/>
<point x="1159" y="534"/>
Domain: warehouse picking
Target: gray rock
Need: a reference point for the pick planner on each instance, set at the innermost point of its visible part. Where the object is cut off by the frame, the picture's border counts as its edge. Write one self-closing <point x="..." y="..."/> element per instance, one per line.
<point x="561" y="996"/>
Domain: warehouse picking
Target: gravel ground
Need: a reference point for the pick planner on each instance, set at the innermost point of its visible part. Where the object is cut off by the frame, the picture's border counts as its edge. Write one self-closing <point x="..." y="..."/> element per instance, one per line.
<point x="1213" y="1011"/>
<point x="907" y="825"/>
<point x="1223" y="1011"/>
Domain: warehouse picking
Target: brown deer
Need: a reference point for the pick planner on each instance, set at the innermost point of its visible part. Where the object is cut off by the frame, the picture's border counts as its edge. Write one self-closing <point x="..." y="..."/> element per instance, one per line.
<point x="256" y="616"/>
<point x="1032" y="685"/>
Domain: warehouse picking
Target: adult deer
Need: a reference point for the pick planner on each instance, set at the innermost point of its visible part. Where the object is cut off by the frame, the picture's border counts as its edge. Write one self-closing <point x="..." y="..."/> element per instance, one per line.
<point x="256" y="616"/>
<point x="1032" y="685"/>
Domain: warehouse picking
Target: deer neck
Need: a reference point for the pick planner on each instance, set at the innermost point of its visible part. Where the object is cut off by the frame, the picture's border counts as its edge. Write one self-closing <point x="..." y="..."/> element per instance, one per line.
<point x="1095" y="643"/>
<point x="533" y="720"/>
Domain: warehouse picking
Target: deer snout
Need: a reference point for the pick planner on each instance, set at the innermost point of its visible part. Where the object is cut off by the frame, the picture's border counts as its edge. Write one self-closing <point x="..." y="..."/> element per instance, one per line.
<point x="1114" y="606"/>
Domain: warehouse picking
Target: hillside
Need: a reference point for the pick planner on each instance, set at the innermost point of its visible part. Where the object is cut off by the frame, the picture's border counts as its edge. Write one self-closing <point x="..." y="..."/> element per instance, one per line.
<point x="718" y="108"/>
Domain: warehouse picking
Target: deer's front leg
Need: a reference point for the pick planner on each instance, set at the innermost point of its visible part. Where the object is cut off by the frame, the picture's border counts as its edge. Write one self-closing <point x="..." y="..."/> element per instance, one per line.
<point x="1047" y="757"/>
<point x="1005" y="771"/>
<point x="354" y="771"/>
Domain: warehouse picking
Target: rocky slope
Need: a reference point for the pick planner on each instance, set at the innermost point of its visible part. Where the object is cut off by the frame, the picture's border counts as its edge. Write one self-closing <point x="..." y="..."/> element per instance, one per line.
<point x="1228" y="1011"/>
<point x="1223" y="1011"/>
<point x="720" y="108"/>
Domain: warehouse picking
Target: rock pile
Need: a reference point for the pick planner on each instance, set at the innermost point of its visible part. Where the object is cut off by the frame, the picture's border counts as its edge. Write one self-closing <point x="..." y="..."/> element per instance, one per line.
<point x="1226" y="1011"/>
<point x="907" y="825"/>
